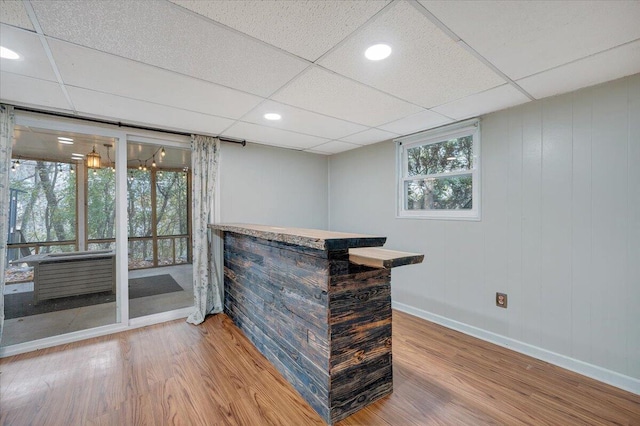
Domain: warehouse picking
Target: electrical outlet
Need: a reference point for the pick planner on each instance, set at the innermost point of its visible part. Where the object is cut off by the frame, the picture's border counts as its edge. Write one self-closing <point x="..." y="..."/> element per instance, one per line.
<point x="501" y="300"/>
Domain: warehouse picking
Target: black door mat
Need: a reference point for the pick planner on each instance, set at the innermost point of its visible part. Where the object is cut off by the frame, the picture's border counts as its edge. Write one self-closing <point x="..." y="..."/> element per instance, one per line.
<point x="21" y="304"/>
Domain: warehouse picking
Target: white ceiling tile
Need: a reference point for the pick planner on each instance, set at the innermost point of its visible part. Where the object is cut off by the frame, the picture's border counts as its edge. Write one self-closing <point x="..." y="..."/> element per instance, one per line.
<point x="23" y="90"/>
<point x="525" y="37"/>
<point x="481" y="103"/>
<point x="307" y="28"/>
<point x="610" y="65"/>
<point x="33" y="61"/>
<point x="299" y="120"/>
<point x="88" y="102"/>
<point x="271" y="136"/>
<point x="426" y="67"/>
<point x="12" y="12"/>
<point x="417" y="122"/>
<point x="91" y="69"/>
<point x="370" y="136"/>
<point x="161" y="34"/>
<point x="333" y="147"/>
<point x="330" y="94"/>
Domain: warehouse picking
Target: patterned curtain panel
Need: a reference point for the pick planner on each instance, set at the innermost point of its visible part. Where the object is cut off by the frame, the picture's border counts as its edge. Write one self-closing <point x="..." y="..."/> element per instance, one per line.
<point x="207" y="290"/>
<point x="7" y="120"/>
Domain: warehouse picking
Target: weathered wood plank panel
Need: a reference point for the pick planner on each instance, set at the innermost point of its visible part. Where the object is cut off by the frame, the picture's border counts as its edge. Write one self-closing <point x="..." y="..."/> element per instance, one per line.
<point x="309" y="381"/>
<point x="382" y="258"/>
<point x="300" y="299"/>
<point x="360" y="319"/>
<point x="313" y="238"/>
<point x="360" y="385"/>
<point x="323" y="322"/>
<point x="284" y="328"/>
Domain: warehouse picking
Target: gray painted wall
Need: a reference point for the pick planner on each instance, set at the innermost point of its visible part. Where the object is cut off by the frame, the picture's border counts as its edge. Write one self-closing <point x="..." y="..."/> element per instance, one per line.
<point x="560" y="228"/>
<point x="273" y="186"/>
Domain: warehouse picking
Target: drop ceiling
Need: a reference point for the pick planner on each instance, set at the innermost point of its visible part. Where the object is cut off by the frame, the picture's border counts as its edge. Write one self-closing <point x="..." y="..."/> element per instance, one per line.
<point x="216" y="67"/>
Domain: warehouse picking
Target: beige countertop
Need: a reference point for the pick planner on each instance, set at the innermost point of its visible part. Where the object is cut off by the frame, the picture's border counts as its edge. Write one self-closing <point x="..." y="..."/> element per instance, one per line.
<point x="313" y="238"/>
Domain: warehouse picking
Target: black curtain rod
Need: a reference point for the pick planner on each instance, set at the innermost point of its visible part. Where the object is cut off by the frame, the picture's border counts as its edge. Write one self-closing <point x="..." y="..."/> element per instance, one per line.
<point x="119" y="124"/>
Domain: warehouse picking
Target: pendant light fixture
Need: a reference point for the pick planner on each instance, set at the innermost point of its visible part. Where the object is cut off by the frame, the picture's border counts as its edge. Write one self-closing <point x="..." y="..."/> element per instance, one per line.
<point x="112" y="164"/>
<point x="93" y="159"/>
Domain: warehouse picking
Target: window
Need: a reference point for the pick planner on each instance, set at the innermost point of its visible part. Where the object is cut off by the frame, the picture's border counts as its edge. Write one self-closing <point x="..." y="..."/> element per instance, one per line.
<point x="42" y="210"/>
<point x="439" y="173"/>
<point x="159" y="215"/>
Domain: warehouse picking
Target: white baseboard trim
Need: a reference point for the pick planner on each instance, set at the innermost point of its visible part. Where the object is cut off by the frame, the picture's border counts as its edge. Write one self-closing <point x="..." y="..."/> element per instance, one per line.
<point x="593" y="371"/>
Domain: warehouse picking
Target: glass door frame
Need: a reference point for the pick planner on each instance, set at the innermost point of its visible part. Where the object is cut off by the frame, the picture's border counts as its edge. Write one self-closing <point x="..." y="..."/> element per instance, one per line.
<point x="122" y="136"/>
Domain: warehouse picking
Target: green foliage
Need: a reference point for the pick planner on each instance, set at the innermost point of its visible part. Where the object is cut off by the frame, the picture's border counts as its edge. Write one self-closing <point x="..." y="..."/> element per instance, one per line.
<point x="171" y="204"/>
<point x="101" y="205"/>
<point x="46" y="201"/>
<point x="47" y="208"/>
<point x="139" y="203"/>
<point x="451" y="193"/>
<point x="442" y="157"/>
<point x="441" y="192"/>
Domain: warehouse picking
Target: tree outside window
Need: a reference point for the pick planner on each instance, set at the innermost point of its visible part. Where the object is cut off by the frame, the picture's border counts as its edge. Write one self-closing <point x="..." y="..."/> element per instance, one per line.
<point x="439" y="173"/>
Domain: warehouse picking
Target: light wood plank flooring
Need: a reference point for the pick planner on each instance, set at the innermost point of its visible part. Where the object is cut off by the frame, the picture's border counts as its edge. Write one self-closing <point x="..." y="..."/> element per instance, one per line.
<point x="175" y="373"/>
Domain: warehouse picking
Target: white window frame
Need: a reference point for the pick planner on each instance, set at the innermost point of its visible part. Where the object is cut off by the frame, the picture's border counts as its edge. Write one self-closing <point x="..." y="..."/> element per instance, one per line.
<point x="403" y="144"/>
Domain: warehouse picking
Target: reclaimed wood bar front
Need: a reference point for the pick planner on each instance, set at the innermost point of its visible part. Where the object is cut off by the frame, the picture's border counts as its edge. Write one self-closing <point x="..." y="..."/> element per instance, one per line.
<point x="323" y="321"/>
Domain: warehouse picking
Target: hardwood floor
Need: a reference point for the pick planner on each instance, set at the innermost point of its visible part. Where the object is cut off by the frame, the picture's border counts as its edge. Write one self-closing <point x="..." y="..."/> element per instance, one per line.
<point x="175" y="373"/>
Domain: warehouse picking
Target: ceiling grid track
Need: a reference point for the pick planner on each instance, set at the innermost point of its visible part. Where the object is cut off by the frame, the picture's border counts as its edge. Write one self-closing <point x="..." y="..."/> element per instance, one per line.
<point x="218" y="68"/>
<point x="313" y="65"/>
<point x="582" y="58"/>
<point x="45" y="45"/>
<point x="353" y="33"/>
<point x="437" y="22"/>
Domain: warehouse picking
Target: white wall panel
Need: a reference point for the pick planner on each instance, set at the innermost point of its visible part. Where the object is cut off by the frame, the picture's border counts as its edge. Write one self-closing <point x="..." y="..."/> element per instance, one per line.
<point x="560" y="230"/>
<point x="273" y="186"/>
<point x="610" y="224"/>
<point x="451" y="273"/>
<point x="632" y="295"/>
<point x="555" y="279"/>
<point x="494" y="218"/>
<point x="531" y="217"/>
<point x="581" y="221"/>
<point x="514" y="224"/>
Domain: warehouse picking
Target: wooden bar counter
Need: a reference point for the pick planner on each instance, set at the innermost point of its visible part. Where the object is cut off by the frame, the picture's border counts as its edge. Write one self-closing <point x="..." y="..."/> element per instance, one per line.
<point x="322" y="320"/>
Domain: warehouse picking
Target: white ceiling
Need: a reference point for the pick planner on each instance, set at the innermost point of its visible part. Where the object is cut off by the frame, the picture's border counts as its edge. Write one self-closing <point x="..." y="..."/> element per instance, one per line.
<point x="215" y="67"/>
<point x="42" y="144"/>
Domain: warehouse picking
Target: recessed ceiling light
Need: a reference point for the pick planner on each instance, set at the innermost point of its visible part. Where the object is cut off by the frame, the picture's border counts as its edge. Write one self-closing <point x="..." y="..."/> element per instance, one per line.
<point x="8" y="53"/>
<point x="377" y="52"/>
<point x="272" y="116"/>
<point x="77" y="155"/>
<point x="66" y="141"/>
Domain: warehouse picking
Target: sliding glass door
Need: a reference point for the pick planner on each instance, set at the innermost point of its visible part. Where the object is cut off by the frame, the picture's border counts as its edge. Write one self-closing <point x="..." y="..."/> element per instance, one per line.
<point x="99" y="231"/>
<point x="57" y="283"/>
<point x="159" y="229"/>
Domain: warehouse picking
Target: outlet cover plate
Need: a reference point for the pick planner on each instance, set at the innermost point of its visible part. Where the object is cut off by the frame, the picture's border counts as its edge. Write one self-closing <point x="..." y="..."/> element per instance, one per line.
<point x="501" y="300"/>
